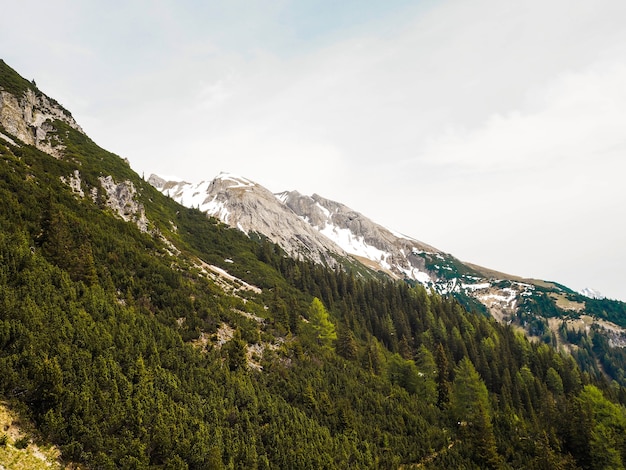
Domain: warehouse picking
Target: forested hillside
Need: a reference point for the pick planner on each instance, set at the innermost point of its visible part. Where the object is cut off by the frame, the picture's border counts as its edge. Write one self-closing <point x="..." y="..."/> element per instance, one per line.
<point x="148" y="336"/>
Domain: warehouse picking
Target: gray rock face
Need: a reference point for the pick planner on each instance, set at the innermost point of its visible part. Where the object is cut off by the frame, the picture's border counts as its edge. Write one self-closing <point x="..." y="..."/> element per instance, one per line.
<point x="74" y="182"/>
<point x="250" y="207"/>
<point x="30" y="117"/>
<point x="360" y="236"/>
<point x="121" y="198"/>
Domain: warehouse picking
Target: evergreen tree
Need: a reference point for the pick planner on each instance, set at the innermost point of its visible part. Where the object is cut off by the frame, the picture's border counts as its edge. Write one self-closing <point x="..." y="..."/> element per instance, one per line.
<point x="346" y="344"/>
<point x="443" y="372"/>
<point x="235" y="350"/>
<point x="427" y="387"/>
<point x="469" y="408"/>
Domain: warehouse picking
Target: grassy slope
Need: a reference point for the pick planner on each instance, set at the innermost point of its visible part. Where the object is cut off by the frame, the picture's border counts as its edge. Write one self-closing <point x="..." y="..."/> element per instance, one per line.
<point x="22" y="448"/>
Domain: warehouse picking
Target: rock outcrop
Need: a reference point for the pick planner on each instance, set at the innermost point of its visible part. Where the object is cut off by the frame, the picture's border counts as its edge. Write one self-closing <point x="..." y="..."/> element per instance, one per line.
<point x="30" y="118"/>
<point x="121" y="199"/>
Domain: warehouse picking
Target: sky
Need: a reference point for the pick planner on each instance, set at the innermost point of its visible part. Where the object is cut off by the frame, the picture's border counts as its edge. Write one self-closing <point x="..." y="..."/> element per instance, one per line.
<point x="494" y="130"/>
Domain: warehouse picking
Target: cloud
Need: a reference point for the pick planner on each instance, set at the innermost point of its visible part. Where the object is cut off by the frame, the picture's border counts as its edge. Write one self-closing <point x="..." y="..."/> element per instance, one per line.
<point x="577" y="118"/>
<point x="490" y="129"/>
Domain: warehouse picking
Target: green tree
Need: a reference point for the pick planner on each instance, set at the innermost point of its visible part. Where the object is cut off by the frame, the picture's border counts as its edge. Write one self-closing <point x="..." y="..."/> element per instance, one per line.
<point x="443" y="385"/>
<point x="323" y="328"/>
<point x="554" y="381"/>
<point x="427" y="387"/>
<point x="597" y="434"/>
<point x="235" y="350"/>
<point x="469" y="407"/>
<point x="346" y="344"/>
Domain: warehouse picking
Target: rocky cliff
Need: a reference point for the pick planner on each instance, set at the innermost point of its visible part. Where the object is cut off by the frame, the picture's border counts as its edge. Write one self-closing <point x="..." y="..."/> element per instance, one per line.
<point x="30" y="118"/>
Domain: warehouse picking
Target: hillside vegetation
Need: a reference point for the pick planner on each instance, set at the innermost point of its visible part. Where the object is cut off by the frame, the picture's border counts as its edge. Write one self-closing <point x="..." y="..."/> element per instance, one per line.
<point x="126" y="351"/>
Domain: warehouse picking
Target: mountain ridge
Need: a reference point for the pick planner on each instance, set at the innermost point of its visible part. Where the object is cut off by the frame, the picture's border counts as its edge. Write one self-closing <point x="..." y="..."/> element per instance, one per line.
<point x="507" y="298"/>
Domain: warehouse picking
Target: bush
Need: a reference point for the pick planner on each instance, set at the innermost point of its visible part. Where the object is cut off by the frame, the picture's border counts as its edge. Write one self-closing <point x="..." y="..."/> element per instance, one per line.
<point x="22" y="443"/>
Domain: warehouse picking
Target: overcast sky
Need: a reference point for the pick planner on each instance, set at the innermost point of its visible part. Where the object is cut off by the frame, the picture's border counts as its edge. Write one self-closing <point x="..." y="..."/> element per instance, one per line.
<point x="494" y="130"/>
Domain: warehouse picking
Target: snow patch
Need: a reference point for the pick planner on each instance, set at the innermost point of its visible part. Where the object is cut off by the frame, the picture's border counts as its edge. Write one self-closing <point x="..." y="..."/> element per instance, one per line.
<point x="473" y="287"/>
<point x="240" y="181"/>
<point x="217" y="209"/>
<point x="9" y="140"/>
<point x="591" y="293"/>
<point x="355" y="245"/>
<point x="323" y="209"/>
<point x="420" y="276"/>
<point x="223" y="273"/>
<point x="506" y="296"/>
<point x="399" y="235"/>
<point x="282" y="197"/>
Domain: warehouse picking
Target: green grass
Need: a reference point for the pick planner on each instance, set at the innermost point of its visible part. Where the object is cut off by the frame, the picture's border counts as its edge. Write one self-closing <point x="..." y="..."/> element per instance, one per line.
<point x="17" y="451"/>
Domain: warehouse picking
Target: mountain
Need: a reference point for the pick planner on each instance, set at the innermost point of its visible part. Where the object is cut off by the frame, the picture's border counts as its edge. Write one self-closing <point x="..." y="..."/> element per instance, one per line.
<point x="250" y="207"/>
<point x="591" y="293"/>
<point x="310" y="227"/>
<point x="139" y="333"/>
<point x="321" y="230"/>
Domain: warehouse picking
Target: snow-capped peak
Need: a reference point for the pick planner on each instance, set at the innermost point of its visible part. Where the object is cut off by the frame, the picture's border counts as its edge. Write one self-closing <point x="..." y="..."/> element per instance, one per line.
<point x="240" y="181"/>
<point x="591" y="293"/>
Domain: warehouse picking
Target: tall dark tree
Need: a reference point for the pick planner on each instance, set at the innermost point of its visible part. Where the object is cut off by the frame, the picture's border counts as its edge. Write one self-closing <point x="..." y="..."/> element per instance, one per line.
<point x="346" y="344"/>
<point x="470" y="410"/>
<point x="443" y="374"/>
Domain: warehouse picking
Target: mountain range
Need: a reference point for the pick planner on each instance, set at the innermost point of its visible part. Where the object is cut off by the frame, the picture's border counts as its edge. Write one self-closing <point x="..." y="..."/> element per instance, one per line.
<point x="238" y="328"/>
<point x="328" y="232"/>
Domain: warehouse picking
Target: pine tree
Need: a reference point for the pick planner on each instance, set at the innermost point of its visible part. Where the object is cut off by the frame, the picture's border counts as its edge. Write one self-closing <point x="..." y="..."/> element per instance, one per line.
<point x="236" y="352"/>
<point x="469" y="408"/>
<point x="425" y="362"/>
<point x="346" y="344"/>
<point x="443" y="386"/>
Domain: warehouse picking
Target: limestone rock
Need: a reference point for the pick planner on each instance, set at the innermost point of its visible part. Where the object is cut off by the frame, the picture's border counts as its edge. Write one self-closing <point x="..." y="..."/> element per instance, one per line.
<point x="360" y="236"/>
<point x="121" y="199"/>
<point x="75" y="183"/>
<point x="30" y="119"/>
<point x="250" y="207"/>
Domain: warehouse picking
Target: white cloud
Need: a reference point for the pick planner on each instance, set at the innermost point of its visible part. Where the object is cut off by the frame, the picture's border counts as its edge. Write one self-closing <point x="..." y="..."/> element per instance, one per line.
<point x="577" y="118"/>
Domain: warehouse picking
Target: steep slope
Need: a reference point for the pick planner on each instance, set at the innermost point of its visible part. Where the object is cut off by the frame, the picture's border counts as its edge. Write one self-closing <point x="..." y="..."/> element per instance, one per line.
<point x="138" y="333"/>
<point x="28" y="115"/>
<point x="361" y="237"/>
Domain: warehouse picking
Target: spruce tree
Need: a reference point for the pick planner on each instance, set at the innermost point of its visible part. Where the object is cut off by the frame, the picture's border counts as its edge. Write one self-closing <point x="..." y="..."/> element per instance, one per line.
<point x="470" y="410"/>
